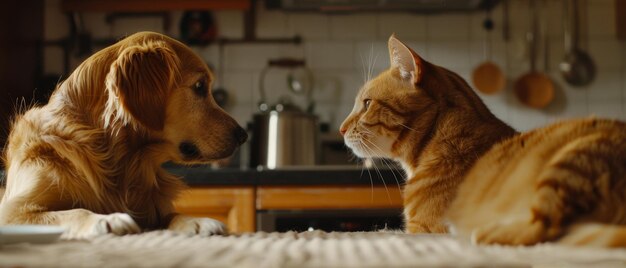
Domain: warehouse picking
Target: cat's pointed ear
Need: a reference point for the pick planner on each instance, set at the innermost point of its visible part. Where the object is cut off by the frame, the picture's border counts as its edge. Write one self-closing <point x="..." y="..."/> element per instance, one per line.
<point x="408" y="63"/>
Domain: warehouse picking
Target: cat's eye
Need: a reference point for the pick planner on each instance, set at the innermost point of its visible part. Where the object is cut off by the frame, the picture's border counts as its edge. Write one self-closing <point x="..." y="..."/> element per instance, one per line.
<point x="200" y="88"/>
<point x="366" y="103"/>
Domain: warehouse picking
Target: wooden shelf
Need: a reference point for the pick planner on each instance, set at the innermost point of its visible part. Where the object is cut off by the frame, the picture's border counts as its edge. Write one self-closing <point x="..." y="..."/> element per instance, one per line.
<point x="151" y="5"/>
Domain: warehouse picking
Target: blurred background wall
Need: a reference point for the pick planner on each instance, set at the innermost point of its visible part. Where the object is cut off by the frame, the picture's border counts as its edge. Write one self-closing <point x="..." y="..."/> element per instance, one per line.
<point x="339" y="48"/>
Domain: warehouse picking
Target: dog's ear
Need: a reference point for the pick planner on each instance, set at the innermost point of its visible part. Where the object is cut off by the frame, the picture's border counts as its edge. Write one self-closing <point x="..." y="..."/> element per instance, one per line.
<point x="139" y="82"/>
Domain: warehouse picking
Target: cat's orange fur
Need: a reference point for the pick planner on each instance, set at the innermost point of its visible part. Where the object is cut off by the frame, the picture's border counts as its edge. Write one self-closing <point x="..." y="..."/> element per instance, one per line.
<point x="466" y="167"/>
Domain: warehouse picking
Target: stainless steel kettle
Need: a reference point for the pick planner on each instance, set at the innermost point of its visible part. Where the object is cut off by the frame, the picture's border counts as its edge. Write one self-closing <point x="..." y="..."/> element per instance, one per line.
<point x="284" y="135"/>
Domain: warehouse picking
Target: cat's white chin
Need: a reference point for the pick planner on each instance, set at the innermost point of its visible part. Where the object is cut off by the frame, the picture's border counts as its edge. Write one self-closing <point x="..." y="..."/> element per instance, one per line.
<point x="360" y="153"/>
<point x="378" y="149"/>
<point x="357" y="148"/>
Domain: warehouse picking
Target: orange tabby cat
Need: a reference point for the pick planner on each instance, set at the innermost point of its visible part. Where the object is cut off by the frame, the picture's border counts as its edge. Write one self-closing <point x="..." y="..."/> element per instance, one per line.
<point x="466" y="167"/>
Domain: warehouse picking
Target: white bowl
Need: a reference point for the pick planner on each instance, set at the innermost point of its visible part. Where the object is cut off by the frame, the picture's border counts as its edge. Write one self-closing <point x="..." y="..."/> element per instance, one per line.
<point x="38" y="234"/>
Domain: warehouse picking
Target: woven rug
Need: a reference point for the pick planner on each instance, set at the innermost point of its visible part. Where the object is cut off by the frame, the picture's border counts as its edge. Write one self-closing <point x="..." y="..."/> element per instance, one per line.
<point x="307" y="249"/>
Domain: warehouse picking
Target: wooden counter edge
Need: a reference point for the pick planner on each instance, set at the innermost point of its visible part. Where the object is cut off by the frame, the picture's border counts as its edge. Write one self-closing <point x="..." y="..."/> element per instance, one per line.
<point x="328" y="197"/>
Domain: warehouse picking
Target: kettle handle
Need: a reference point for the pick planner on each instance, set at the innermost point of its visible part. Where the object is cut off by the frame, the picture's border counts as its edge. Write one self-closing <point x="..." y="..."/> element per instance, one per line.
<point x="289" y="63"/>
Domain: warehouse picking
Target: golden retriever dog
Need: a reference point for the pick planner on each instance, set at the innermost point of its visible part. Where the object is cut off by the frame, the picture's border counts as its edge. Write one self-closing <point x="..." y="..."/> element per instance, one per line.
<point x="90" y="160"/>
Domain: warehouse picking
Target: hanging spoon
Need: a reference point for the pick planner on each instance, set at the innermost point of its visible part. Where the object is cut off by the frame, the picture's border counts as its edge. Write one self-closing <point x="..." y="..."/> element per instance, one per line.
<point x="577" y="67"/>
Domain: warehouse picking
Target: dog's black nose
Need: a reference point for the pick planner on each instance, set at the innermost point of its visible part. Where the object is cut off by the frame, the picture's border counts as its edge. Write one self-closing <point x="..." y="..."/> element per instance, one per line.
<point x="241" y="135"/>
<point x="189" y="150"/>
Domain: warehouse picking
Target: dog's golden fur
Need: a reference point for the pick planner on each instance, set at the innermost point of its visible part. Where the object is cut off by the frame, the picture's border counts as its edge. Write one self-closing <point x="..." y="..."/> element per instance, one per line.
<point x="90" y="160"/>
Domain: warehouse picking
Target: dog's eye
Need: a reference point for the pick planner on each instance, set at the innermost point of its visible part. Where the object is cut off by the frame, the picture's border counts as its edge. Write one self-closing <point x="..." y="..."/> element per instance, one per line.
<point x="366" y="103"/>
<point x="200" y="88"/>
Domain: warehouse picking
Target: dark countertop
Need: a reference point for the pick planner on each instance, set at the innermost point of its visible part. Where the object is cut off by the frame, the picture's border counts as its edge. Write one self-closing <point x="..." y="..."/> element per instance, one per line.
<point x="326" y="175"/>
<point x="197" y="176"/>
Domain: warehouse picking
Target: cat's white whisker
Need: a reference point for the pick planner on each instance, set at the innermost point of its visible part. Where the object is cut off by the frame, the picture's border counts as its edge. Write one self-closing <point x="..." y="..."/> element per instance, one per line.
<point x="409" y="128"/>
<point x="374" y="63"/>
<point x="369" y="64"/>
<point x="393" y="169"/>
<point x="385" y="161"/>
<point x="361" y="147"/>
<point x="367" y="132"/>
<point x="364" y="129"/>
<point x="365" y="72"/>
<point x="364" y="139"/>
<point x="380" y="175"/>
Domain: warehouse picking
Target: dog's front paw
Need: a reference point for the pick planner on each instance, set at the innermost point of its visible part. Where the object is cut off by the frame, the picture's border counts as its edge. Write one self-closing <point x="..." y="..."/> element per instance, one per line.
<point x="85" y="224"/>
<point x="116" y="223"/>
<point x="200" y="226"/>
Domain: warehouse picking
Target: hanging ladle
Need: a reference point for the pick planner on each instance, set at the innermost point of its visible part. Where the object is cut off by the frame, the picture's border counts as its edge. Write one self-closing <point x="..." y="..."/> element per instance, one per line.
<point x="577" y="67"/>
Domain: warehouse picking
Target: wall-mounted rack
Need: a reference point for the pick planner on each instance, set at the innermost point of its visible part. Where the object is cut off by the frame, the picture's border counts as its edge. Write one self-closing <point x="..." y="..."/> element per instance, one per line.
<point x="79" y="41"/>
<point x="152" y="5"/>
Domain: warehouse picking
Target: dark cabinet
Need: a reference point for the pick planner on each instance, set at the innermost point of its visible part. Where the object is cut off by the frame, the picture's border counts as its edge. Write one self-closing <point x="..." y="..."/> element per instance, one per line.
<point x="21" y="32"/>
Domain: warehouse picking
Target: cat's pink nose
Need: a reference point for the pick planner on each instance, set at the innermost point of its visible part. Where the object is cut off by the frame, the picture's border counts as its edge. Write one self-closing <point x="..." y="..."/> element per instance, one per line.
<point x="342" y="131"/>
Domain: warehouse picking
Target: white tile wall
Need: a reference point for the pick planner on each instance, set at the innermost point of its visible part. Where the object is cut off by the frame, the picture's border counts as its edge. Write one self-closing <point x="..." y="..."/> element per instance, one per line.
<point x="330" y="55"/>
<point x="408" y="25"/>
<point x="448" y="27"/>
<point x="340" y="49"/>
<point x="353" y="26"/>
<point x="229" y="23"/>
<point x="248" y="57"/>
<point x="310" y="26"/>
<point x="271" y="23"/>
